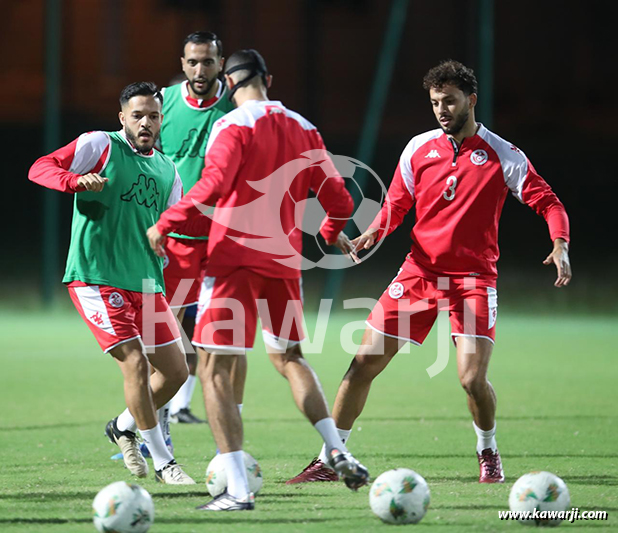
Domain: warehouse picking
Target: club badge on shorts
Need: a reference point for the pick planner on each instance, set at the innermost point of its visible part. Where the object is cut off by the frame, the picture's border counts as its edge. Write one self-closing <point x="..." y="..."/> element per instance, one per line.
<point x="479" y="157"/>
<point x="116" y="300"/>
<point x="395" y="291"/>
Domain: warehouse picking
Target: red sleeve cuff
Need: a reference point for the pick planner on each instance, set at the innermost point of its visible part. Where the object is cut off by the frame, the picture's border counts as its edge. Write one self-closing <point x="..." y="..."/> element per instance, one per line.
<point x="558" y="223"/>
<point x="162" y="228"/>
<point x="73" y="183"/>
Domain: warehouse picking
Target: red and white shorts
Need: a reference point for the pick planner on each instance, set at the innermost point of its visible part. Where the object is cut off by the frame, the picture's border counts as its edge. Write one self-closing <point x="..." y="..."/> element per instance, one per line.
<point x="409" y="307"/>
<point x="116" y="316"/>
<point x="229" y="307"/>
<point x="184" y="268"/>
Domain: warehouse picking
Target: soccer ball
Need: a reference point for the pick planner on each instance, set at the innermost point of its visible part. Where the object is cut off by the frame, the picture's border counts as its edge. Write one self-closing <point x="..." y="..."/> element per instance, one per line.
<point x="543" y="491"/>
<point x="216" y="476"/>
<point x="123" y="508"/>
<point x="399" y="496"/>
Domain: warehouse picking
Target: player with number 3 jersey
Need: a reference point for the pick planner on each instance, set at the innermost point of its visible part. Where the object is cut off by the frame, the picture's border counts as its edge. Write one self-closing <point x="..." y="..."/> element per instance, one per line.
<point x="456" y="179"/>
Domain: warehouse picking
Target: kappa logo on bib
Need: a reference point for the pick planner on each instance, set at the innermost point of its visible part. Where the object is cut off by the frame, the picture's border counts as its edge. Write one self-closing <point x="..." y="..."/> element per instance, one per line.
<point x="396" y="290"/>
<point x="479" y="157"/>
<point x="116" y="300"/>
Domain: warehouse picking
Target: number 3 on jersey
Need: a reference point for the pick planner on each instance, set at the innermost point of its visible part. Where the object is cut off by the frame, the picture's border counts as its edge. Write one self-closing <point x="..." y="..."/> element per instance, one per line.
<point x="451" y="183"/>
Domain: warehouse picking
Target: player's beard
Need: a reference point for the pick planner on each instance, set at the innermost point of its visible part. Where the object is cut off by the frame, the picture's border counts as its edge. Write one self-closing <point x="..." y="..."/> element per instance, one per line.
<point x="206" y="89"/>
<point x="139" y="145"/>
<point x="458" y="123"/>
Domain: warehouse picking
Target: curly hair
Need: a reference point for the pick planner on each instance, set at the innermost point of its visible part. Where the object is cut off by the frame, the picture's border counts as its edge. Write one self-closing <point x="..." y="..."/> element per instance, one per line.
<point x="451" y="72"/>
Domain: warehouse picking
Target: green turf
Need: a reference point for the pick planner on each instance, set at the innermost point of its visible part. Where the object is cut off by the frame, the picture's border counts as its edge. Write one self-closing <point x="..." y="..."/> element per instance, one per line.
<point x="556" y="381"/>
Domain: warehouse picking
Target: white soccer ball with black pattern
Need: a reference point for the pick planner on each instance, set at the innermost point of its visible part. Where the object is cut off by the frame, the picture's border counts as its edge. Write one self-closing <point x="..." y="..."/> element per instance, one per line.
<point x="543" y="491"/>
<point x="216" y="476"/>
<point x="309" y="213"/>
<point x="399" y="496"/>
<point x="123" y="508"/>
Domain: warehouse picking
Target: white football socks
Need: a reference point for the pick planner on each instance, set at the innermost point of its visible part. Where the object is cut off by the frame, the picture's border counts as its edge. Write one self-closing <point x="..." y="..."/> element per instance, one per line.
<point x="153" y="439"/>
<point x="237" y="483"/>
<point x="182" y="399"/>
<point x="485" y="439"/>
<point x="164" y="420"/>
<point x="126" y="422"/>
<point x="333" y="438"/>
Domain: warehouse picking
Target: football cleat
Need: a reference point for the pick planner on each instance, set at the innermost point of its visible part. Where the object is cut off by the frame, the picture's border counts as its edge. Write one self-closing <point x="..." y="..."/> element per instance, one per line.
<point x="129" y="447"/>
<point x="225" y="502"/>
<point x="354" y="474"/>
<point x="145" y="451"/>
<point x="172" y="474"/>
<point x="315" y="471"/>
<point x="490" y="466"/>
<point x="185" y="416"/>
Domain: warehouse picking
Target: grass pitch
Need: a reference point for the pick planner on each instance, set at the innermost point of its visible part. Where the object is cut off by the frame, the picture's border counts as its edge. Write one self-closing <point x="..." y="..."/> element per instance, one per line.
<point x="556" y="380"/>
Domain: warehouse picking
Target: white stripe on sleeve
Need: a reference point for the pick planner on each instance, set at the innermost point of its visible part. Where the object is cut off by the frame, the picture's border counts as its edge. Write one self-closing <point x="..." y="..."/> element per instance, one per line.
<point x="88" y="151"/>
<point x="176" y="193"/>
<point x="513" y="161"/>
<point x="405" y="161"/>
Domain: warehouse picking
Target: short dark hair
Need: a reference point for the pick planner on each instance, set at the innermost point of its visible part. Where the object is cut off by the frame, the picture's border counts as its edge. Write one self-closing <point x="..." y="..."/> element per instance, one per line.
<point x="451" y="72"/>
<point x="203" y="37"/>
<point x="252" y="59"/>
<point x="140" y="88"/>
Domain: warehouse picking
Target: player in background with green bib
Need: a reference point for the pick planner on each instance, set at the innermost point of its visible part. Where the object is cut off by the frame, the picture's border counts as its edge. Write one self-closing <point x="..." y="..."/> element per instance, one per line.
<point x="121" y="186"/>
<point x="191" y="108"/>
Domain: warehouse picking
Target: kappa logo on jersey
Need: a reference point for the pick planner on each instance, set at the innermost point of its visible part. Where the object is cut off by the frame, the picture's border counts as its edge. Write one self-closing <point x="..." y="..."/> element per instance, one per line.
<point x="116" y="300"/>
<point x="193" y="145"/>
<point x="144" y="191"/>
<point x="479" y="157"/>
<point x="515" y="149"/>
<point x="433" y="154"/>
<point x="97" y="319"/>
<point x="271" y="109"/>
<point x="395" y="291"/>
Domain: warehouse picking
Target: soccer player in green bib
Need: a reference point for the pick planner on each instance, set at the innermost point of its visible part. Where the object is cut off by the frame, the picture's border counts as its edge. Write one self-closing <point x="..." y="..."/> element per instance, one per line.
<point x="191" y="108"/>
<point x="121" y="186"/>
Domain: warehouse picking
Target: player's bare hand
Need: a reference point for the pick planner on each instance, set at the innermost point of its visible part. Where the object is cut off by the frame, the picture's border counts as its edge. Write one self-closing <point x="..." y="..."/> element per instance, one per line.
<point x="560" y="257"/>
<point x="366" y="240"/>
<point x="92" y="182"/>
<point x="344" y="244"/>
<point x="156" y="240"/>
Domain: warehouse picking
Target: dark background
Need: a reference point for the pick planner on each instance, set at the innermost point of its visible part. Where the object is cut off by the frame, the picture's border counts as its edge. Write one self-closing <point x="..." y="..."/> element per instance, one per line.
<point x="554" y="70"/>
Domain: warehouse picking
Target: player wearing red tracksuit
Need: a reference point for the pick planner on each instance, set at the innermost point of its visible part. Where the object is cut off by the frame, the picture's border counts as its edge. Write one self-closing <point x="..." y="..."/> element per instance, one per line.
<point x="458" y="192"/>
<point x="456" y="179"/>
<point x="261" y="160"/>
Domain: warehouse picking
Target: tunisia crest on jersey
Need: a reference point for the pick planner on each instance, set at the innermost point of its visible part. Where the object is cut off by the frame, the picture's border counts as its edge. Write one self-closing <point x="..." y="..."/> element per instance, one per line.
<point x="479" y="157"/>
